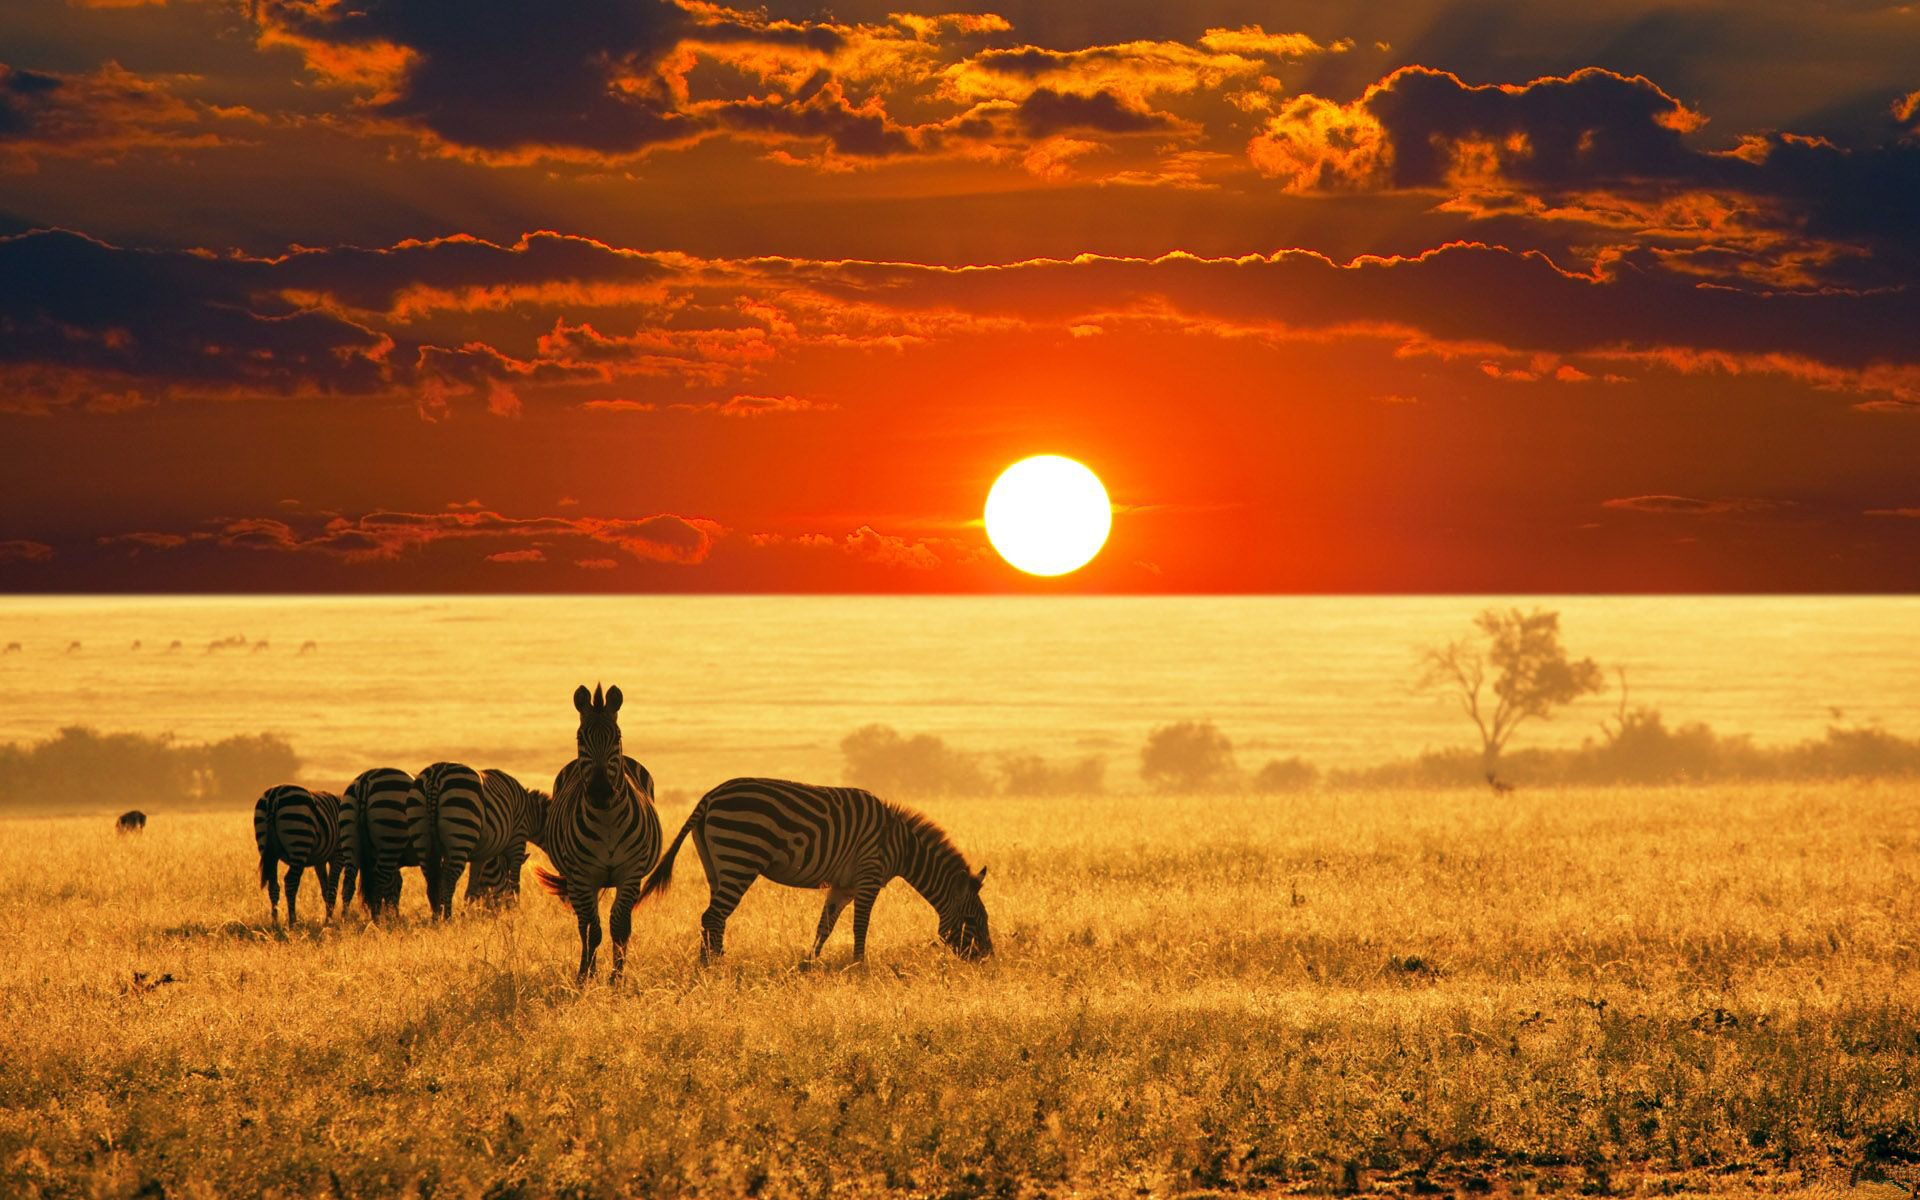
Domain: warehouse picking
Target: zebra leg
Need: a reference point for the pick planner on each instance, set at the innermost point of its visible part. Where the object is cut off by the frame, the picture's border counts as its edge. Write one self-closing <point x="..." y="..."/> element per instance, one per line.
<point x="830" y="916"/>
<point x="586" y="906"/>
<point x="349" y="875"/>
<point x="862" y="912"/>
<point x="620" y="923"/>
<point x="725" y="897"/>
<point x="450" y="869"/>
<point x="273" y="890"/>
<point x="329" y="884"/>
<point x="293" y="892"/>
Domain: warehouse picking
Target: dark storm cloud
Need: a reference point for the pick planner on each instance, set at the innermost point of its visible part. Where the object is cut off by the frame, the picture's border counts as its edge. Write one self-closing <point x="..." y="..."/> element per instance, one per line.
<point x="95" y="115"/>
<point x="1046" y="112"/>
<point x="509" y="75"/>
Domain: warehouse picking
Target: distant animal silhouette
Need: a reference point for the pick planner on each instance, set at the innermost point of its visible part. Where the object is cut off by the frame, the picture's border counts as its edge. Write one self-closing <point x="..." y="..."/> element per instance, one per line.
<point x="259" y="645"/>
<point x="845" y="840"/>
<point x="383" y="827"/>
<point x="136" y="644"/>
<point x="309" y="647"/>
<point x="302" y="829"/>
<point x="73" y="647"/>
<point x="174" y="646"/>
<point x="12" y="648"/>
<point x="131" y="822"/>
<point x="1500" y="786"/>
<point x="226" y="643"/>
<point x="143" y="982"/>
<point x="601" y="829"/>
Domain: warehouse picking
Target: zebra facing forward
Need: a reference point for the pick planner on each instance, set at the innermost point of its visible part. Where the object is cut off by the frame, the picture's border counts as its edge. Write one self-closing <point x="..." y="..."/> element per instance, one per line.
<point x="302" y="829"/>
<point x="451" y="795"/>
<point x="380" y="826"/>
<point x="601" y="830"/>
<point x="848" y="841"/>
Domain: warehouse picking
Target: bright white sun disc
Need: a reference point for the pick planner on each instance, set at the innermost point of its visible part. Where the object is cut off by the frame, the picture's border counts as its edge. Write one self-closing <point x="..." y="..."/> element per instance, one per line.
<point x="1048" y="515"/>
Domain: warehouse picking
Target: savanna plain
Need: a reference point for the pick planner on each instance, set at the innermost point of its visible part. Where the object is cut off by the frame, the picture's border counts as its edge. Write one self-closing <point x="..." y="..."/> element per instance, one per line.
<point x="1711" y="988"/>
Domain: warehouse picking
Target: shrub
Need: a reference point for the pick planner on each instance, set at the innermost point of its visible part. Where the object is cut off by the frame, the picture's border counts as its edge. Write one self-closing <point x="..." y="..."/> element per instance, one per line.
<point x="879" y="759"/>
<point x="1189" y="756"/>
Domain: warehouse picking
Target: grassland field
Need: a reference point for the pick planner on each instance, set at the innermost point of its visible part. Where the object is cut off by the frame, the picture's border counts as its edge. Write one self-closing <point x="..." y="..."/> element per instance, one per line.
<point x="1578" y="991"/>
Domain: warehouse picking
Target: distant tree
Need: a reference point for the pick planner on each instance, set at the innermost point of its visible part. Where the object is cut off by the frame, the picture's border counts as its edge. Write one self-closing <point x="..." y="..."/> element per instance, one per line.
<point x="1031" y="775"/>
<point x="880" y="759"/>
<point x="1512" y="670"/>
<point x="1286" y="775"/>
<point x="1189" y="756"/>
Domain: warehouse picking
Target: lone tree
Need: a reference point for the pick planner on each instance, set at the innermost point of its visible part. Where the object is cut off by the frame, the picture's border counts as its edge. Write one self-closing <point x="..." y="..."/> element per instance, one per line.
<point x="1189" y="756"/>
<point x="1513" y="669"/>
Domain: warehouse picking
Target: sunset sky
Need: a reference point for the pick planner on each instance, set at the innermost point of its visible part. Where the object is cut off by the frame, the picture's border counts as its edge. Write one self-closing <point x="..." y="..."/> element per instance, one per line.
<point x="630" y="295"/>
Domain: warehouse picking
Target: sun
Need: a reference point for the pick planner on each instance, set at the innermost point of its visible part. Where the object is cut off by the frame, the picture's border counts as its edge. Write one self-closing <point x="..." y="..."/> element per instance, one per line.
<point x="1048" y="515"/>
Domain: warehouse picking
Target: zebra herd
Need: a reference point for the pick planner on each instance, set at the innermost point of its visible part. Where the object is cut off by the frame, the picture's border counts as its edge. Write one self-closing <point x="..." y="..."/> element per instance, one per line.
<point x="599" y="830"/>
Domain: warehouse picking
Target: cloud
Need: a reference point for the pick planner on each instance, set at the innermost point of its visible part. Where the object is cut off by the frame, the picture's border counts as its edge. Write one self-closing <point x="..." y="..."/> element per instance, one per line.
<point x="23" y="550"/>
<point x="98" y="115"/>
<point x="1691" y="507"/>
<point x="391" y="534"/>
<point x="1046" y="112"/>
<point x="867" y="544"/>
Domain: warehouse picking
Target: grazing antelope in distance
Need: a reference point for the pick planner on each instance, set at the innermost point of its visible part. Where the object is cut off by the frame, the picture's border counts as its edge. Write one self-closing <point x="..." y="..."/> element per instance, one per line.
<point x="131" y="822"/>
<point x="308" y="647"/>
<point x="12" y="648"/>
<point x="173" y="647"/>
<point x="1500" y="786"/>
<point x="845" y="840"/>
<point x="601" y="830"/>
<point x="260" y="645"/>
<point x="302" y="829"/>
<point x="135" y="646"/>
<point x="73" y="647"/>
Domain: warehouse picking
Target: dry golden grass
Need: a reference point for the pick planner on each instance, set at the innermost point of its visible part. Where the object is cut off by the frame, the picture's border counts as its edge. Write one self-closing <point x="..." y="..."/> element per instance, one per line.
<point x="1564" y="990"/>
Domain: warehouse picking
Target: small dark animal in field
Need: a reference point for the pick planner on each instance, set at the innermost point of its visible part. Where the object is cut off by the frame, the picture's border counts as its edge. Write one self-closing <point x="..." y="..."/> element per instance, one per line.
<point x="259" y="645"/>
<point x="143" y="982"/>
<point x="309" y="647"/>
<point x="847" y="841"/>
<point x="174" y="647"/>
<point x="131" y="822"/>
<point x="73" y="647"/>
<point x="1500" y="786"/>
<point x="136" y="644"/>
<point x="12" y="648"/>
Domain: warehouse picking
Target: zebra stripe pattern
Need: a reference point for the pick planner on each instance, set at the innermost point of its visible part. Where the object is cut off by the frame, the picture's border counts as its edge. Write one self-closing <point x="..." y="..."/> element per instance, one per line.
<point x="848" y="841"/>
<point x="492" y="838"/>
<point x="300" y="828"/>
<point x="380" y="826"/>
<point x="451" y="796"/>
<point x="601" y="830"/>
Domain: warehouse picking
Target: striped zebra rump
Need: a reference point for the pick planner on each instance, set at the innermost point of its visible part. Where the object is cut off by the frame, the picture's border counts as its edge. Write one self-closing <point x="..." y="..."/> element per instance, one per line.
<point x="381" y="822"/>
<point x="452" y="797"/>
<point x="300" y="828"/>
<point x="511" y="814"/>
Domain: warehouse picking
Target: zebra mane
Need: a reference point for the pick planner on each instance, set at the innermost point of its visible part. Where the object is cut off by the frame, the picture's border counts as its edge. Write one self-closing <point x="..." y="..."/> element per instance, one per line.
<point x="921" y="826"/>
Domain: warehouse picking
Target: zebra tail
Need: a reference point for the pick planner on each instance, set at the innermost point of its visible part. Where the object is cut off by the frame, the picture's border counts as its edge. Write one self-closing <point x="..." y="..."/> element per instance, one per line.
<point x="662" y="877"/>
<point x="270" y="849"/>
<point x="556" y="884"/>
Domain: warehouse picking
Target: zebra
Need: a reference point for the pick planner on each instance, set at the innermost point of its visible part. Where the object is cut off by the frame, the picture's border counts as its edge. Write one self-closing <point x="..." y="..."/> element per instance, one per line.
<point x="381" y="827"/>
<point x="302" y="829"/>
<point x="601" y="830"/>
<point x="848" y="841"/>
<point x="477" y="820"/>
<point x="449" y="794"/>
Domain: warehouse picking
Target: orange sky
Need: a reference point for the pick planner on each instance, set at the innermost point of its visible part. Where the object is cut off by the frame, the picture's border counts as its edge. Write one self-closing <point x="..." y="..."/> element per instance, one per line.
<point x="630" y="295"/>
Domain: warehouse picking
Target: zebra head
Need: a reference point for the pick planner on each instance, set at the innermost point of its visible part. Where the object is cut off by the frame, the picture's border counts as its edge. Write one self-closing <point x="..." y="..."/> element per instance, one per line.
<point x="963" y="923"/>
<point x="599" y="741"/>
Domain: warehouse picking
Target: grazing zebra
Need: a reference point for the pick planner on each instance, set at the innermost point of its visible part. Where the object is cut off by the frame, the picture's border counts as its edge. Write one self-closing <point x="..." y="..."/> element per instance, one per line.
<point x="601" y="830"/>
<point x="449" y="794"/>
<point x="848" y="841"/>
<point x="381" y="827"/>
<point x="131" y="822"/>
<point x="476" y="820"/>
<point x="514" y="815"/>
<point x="302" y="829"/>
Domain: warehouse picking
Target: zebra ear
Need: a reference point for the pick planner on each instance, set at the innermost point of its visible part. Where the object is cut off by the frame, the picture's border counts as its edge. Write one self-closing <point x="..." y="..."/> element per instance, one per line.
<point x="979" y="877"/>
<point x="613" y="698"/>
<point x="580" y="698"/>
